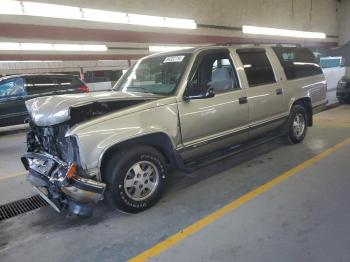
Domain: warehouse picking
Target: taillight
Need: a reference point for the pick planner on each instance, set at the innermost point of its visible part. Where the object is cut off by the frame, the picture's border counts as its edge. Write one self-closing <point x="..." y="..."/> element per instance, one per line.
<point x="84" y="88"/>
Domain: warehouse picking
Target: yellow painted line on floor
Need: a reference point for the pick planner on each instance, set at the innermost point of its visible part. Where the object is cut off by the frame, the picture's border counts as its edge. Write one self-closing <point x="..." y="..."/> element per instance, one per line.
<point x="174" y="239"/>
<point x="13" y="175"/>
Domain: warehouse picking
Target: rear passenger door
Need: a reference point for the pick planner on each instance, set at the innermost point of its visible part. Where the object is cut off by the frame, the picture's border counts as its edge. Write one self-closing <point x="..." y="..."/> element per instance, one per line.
<point x="264" y="92"/>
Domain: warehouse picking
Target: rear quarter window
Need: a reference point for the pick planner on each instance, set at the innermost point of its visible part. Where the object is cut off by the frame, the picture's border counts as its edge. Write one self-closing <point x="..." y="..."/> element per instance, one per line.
<point x="39" y="84"/>
<point x="64" y="83"/>
<point x="297" y="62"/>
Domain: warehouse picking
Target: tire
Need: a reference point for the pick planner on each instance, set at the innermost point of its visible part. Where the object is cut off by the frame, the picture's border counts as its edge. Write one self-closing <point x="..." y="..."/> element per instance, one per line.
<point x="296" y="125"/>
<point x="130" y="187"/>
<point x="343" y="100"/>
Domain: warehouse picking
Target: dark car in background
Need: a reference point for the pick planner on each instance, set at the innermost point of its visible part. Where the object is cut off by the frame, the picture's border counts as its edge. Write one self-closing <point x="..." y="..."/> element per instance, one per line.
<point x="343" y="90"/>
<point x="16" y="89"/>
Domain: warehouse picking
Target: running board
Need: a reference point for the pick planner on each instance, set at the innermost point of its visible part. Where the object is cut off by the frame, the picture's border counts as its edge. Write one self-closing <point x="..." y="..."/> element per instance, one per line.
<point x="218" y="155"/>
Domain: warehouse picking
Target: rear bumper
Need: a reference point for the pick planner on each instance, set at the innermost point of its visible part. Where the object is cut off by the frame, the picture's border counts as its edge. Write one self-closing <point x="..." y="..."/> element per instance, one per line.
<point x="48" y="174"/>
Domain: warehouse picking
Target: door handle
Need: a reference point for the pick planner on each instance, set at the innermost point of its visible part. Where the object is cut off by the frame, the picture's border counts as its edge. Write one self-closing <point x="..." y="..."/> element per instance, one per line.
<point x="279" y="91"/>
<point x="243" y="100"/>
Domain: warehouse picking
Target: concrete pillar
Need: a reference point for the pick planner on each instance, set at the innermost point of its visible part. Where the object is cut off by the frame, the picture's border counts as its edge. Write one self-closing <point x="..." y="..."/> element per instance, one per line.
<point x="344" y="21"/>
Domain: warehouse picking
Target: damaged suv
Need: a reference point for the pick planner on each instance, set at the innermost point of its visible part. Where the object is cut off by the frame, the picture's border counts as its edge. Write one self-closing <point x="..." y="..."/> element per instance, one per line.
<point x="175" y="110"/>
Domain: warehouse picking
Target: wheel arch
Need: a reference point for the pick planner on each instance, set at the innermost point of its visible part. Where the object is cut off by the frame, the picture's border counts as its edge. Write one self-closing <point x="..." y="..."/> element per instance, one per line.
<point x="160" y="141"/>
<point x="306" y="103"/>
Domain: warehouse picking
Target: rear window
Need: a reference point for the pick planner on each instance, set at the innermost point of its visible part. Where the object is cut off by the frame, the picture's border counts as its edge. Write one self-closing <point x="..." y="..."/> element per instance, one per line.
<point x="39" y="84"/>
<point x="257" y="66"/>
<point x="297" y="62"/>
<point x="67" y="82"/>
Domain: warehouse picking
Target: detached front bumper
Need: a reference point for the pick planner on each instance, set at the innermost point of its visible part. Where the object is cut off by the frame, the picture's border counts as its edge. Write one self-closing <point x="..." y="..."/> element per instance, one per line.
<point x="54" y="180"/>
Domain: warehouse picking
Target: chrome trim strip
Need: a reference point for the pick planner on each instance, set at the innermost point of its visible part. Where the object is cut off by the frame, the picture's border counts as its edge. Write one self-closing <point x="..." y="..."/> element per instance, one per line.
<point x="229" y="133"/>
<point x="209" y="139"/>
<point x="268" y="120"/>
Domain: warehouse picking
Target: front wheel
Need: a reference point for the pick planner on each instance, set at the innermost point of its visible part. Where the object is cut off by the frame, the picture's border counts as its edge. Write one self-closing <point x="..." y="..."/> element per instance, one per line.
<point x="135" y="179"/>
<point x="297" y="125"/>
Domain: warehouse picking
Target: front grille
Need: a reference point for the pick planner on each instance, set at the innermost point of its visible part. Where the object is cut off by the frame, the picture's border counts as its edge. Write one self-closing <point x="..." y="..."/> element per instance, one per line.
<point x="18" y="207"/>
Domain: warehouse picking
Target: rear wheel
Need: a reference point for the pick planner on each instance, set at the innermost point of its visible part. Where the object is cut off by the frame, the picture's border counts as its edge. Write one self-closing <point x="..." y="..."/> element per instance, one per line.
<point x="135" y="179"/>
<point x="296" y="125"/>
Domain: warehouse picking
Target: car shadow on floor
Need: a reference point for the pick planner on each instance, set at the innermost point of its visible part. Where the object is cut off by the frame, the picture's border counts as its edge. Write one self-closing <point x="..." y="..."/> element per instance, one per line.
<point x="180" y="180"/>
<point x="47" y="220"/>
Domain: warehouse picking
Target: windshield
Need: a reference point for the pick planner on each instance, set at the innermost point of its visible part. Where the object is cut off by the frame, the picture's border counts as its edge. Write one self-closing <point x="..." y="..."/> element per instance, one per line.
<point x="157" y="75"/>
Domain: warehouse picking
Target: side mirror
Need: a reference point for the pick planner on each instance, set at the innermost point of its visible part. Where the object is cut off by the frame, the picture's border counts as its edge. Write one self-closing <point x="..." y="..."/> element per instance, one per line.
<point x="191" y="94"/>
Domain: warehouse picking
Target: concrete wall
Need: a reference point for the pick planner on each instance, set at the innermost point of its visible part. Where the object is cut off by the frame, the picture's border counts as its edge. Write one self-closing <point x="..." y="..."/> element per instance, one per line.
<point x="313" y="15"/>
<point x="100" y="86"/>
<point x="344" y="22"/>
<point x="7" y="68"/>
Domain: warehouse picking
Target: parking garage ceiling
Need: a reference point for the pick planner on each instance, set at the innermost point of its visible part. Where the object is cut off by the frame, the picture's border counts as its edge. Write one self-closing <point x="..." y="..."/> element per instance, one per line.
<point x="128" y="29"/>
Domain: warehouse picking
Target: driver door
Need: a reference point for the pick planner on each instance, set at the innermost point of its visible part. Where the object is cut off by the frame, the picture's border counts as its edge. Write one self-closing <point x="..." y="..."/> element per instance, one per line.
<point x="209" y="123"/>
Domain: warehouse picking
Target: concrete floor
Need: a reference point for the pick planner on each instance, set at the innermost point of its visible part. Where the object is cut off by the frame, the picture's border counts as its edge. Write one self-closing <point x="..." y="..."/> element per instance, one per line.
<point x="303" y="219"/>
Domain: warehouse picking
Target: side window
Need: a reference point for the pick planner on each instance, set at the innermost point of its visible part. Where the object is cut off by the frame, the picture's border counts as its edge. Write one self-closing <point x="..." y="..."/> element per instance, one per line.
<point x="64" y="83"/>
<point x="13" y="87"/>
<point x="297" y="62"/>
<point x="257" y="67"/>
<point x="214" y="71"/>
<point x="39" y="84"/>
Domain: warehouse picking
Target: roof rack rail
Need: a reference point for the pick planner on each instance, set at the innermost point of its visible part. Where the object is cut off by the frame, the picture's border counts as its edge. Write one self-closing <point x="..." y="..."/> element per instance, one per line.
<point x="260" y="44"/>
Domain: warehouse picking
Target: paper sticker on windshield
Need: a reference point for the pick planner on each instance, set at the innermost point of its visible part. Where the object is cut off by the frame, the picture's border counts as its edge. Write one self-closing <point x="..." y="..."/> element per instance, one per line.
<point x="174" y="59"/>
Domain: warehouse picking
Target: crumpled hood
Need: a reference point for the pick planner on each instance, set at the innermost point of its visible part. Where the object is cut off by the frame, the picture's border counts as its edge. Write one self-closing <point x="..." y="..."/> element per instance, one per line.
<point x="52" y="110"/>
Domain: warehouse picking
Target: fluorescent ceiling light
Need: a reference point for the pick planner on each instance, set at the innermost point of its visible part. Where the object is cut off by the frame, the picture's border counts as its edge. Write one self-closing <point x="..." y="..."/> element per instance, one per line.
<point x="146" y="20"/>
<point x="158" y="48"/>
<point x="50" y="10"/>
<point x="67" y="47"/>
<point x="78" y="13"/>
<point x="180" y="23"/>
<point x="10" y="8"/>
<point x="97" y="48"/>
<point x="104" y="16"/>
<point x="33" y="61"/>
<point x="75" y="47"/>
<point x="9" y="46"/>
<point x="36" y="47"/>
<point x="281" y="32"/>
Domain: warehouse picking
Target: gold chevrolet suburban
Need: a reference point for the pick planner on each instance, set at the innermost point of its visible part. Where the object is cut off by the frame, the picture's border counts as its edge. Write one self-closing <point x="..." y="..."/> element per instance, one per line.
<point x="175" y="110"/>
